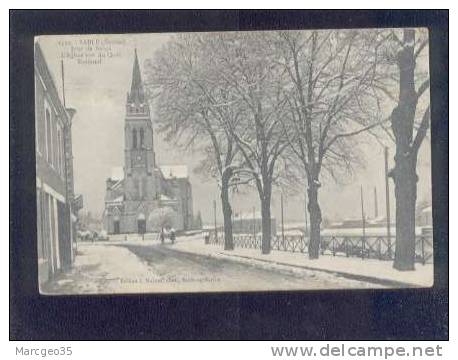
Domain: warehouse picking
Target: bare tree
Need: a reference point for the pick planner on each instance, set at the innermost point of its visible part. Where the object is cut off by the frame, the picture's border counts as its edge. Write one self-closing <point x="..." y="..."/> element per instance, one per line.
<point x="179" y="80"/>
<point x="163" y="217"/>
<point x="253" y="84"/>
<point x="330" y="99"/>
<point x="410" y="121"/>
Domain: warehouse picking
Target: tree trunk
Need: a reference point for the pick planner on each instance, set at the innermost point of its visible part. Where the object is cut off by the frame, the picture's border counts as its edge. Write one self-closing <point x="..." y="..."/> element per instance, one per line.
<point x="403" y="174"/>
<point x="266" y="225"/>
<point x="315" y="221"/>
<point x="405" y="180"/>
<point x="227" y="216"/>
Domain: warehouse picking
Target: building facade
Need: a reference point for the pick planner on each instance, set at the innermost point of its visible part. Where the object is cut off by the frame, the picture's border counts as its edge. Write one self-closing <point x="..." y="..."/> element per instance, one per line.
<point x="54" y="174"/>
<point x="142" y="196"/>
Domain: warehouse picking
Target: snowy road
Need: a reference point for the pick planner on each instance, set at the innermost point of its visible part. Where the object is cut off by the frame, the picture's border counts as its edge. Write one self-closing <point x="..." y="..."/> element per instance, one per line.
<point x="151" y="267"/>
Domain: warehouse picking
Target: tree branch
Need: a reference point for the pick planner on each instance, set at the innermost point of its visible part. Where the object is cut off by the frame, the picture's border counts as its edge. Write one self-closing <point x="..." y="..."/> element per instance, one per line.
<point x="353" y="133"/>
<point x="422" y="130"/>
<point x="420" y="48"/>
<point x="422" y="88"/>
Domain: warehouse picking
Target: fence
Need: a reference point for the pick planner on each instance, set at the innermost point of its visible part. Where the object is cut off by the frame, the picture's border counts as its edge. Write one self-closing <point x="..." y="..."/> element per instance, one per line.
<point x="369" y="247"/>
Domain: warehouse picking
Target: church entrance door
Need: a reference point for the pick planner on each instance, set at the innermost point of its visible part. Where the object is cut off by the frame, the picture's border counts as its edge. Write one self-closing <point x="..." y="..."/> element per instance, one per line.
<point x="116" y="227"/>
<point x="141" y="226"/>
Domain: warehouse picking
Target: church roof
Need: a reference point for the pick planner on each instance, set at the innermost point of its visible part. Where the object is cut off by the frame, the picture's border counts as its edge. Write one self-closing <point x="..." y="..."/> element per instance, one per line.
<point x="174" y="171"/>
<point x="117" y="173"/>
<point x="136" y="89"/>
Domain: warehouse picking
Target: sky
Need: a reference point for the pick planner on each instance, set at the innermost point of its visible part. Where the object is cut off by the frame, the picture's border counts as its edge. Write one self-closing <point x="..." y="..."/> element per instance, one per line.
<point x="98" y="70"/>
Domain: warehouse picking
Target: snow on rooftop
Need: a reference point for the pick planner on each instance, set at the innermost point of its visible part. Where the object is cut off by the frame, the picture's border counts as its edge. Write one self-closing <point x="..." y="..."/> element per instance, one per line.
<point x="117" y="200"/>
<point x="174" y="171"/>
<point x="427" y="209"/>
<point x="165" y="198"/>
<point x="249" y="215"/>
<point x="117" y="173"/>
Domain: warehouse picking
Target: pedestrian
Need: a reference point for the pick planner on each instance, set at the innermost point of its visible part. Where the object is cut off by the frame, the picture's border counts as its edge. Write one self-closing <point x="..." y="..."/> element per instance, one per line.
<point x="162" y="236"/>
<point x="172" y="235"/>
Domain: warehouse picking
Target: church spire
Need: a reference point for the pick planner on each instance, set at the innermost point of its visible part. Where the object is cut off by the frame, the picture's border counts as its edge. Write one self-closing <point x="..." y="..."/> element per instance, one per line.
<point x="136" y="89"/>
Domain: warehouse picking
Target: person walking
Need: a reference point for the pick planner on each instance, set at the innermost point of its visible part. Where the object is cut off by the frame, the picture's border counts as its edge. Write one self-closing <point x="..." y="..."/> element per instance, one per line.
<point x="162" y="236"/>
<point x="172" y="235"/>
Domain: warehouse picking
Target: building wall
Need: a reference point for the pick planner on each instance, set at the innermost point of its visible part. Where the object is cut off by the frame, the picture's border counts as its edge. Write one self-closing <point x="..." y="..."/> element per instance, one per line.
<point x="424" y="219"/>
<point x="184" y="194"/>
<point x="54" y="234"/>
<point x="49" y="165"/>
<point x="132" y="211"/>
<point x="141" y="192"/>
<point x="134" y="205"/>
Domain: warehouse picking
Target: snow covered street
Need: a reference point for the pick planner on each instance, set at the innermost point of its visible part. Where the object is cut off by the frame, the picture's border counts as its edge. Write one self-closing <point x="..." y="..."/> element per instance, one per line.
<point x="149" y="267"/>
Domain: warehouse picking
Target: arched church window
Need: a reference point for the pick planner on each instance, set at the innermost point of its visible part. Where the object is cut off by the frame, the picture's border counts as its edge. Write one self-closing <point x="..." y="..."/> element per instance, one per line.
<point x="134" y="138"/>
<point x="142" y="135"/>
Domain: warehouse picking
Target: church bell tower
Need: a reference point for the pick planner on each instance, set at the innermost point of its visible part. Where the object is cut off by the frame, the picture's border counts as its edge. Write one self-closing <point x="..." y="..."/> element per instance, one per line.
<point x="139" y="161"/>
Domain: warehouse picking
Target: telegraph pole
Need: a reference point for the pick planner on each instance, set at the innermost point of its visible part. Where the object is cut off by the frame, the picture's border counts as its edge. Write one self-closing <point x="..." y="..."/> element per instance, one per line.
<point x="63" y="81"/>
<point x="214" y="213"/>
<point x="364" y="224"/>
<point x="387" y="197"/>
<point x="306" y="215"/>
<point x="282" y="221"/>
<point x="254" y="223"/>
<point x="375" y="203"/>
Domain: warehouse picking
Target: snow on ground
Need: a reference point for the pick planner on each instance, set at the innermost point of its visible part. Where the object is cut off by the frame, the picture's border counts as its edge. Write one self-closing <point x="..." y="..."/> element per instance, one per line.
<point x="379" y="271"/>
<point x="148" y="267"/>
<point x="99" y="268"/>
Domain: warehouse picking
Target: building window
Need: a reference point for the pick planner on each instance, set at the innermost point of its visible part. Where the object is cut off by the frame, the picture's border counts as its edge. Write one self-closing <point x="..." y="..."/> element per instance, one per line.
<point x="144" y="188"/>
<point x="134" y="136"/>
<point x="48" y="136"/>
<point x="37" y="140"/>
<point x="59" y="151"/>
<point x="40" y="237"/>
<point x="55" y="146"/>
<point x="142" y="135"/>
<point x="62" y="153"/>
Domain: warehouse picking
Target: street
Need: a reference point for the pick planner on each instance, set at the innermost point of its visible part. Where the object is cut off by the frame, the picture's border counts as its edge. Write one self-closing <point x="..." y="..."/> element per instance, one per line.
<point x="139" y="267"/>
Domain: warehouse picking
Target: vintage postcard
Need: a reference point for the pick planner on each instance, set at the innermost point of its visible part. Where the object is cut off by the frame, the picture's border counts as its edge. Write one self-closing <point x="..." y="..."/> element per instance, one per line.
<point x="233" y="161"/>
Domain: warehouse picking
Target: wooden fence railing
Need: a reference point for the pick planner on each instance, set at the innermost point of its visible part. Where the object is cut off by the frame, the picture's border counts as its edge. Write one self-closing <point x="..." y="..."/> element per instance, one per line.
<point x="369" y="247"/>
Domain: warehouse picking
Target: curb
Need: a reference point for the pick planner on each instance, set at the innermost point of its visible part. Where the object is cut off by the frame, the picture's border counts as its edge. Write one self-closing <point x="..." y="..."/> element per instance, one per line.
<point x="351" y="276"/>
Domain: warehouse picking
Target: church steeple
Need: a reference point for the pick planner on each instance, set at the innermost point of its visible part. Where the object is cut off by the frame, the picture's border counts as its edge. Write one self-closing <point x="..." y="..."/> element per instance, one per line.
<point x="136" y="89"/>
<point x="138" y="130"/>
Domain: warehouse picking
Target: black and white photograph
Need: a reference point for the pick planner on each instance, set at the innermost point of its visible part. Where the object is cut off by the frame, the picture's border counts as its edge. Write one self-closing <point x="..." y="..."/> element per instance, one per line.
<point x="233" y="161"/>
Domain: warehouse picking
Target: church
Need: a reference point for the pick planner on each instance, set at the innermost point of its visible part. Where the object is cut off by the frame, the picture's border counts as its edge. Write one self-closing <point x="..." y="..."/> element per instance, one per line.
<point x="143" y="196"/>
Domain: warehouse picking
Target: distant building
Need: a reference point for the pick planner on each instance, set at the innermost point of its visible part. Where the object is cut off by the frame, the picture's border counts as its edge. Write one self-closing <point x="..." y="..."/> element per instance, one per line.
<point x="142" y="196"/>
<point x="246" y="223"/>
<point x="86" y="221"/>
<point x="56" y="205"/>
<point x="425" y="217"/>
<point x="358" y="223"/>
<point x="197" y="224"/>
